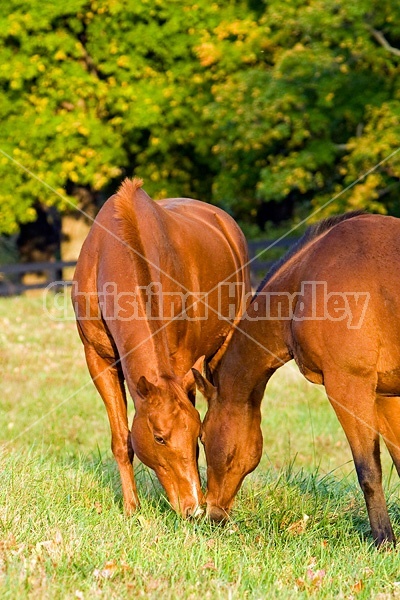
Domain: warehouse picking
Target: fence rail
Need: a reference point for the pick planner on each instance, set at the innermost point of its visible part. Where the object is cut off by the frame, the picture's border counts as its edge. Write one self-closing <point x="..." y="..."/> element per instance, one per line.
<point x="11" y="283"/>
<point x="11" y="275"/>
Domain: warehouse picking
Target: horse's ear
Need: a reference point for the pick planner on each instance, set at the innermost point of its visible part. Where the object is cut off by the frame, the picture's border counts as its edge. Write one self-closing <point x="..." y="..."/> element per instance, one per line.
<point x="203" y="385"/>
<point x="188" y="382"/>
<point x="145" y="388"/>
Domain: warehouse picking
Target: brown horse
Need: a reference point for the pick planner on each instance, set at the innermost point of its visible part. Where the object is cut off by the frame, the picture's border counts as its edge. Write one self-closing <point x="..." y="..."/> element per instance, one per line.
<point x="332" y="304"/>
<point x="148" y="301"/>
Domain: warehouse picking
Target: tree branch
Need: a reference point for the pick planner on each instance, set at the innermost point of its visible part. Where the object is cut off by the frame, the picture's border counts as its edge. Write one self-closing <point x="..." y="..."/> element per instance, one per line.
<point x="378" y="35"/>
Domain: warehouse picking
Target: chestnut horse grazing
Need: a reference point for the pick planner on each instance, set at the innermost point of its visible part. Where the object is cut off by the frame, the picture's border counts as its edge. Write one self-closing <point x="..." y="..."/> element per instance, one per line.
<point x="149" y="303"/>
<point x="332" y="304"/>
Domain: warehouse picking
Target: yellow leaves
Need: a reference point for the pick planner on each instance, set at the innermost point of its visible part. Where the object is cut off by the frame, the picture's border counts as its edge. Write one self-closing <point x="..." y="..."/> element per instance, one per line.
<point x="123" y="61"/>
<point x="14" y="28"/>
<point x="60" y="55"/>
<point x="208" y="54"/>
<point x="100" y="179"/>
<point x="365" y="191"/>
<point x="298" y="47"/>
<point x="149" y="72"/>
<point x="197" y="78"/>
<point x="239" y="28"/>
<point x="113" y="47"/>
<point x="83" y="130"/>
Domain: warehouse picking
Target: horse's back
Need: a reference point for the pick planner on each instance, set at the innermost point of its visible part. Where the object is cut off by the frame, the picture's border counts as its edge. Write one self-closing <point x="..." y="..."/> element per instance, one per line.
<point x="350" y="297"/>
<point x="356" y="248"/>
<point x="207" y="236"/>
<point x="185" y="246"/>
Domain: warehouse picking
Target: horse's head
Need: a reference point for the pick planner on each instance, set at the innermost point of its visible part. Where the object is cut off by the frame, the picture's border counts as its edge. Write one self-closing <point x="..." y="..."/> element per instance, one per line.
<point x="164" y="435"/>
<point x="232" y="441"/>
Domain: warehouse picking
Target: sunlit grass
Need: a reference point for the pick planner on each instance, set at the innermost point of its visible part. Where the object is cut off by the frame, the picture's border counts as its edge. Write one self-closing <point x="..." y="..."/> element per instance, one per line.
<point x="299" y="527"/>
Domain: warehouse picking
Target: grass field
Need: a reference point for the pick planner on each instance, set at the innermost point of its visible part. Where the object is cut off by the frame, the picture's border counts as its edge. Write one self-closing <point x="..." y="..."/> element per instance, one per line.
<point x="299" y="528"/>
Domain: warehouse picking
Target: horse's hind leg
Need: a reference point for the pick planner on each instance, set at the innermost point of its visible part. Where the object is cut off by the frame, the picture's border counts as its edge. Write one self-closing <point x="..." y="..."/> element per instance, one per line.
<point x="109" y="383"/>
<point x="389" y="425"/>
<point x="353" y="399"/>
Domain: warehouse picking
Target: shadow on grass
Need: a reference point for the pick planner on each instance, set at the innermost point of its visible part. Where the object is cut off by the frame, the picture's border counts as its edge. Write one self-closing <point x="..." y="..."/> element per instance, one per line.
<point x="274" y="504"/>
<point x="150" y="491"/>
<point x="293" y="502"/>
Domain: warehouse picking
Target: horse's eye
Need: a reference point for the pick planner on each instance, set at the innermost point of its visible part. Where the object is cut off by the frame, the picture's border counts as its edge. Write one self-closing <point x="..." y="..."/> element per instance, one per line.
<point x="159" y="439"/>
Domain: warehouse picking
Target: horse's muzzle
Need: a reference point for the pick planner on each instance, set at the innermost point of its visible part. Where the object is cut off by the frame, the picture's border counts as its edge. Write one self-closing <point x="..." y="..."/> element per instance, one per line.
<point x="194" y="514"/>
<point x="217" y="514"/>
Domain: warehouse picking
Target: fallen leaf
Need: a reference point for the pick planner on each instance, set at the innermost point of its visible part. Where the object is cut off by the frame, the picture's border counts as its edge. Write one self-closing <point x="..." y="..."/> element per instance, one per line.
<point x="233" y="529"/>
<point x="368" y="571"/>
<point x="357" y="587"/>
<point x="125" y="566"/>
<point x="8" y="543"/>
<point x="58" y="538"/>
<point x="300" y="583"/>
<point x="312" y="563"/>
<point x="143" y="522"/>
<point x="316" y="577"/>
<point x="107" y="571"/>
<point x="154" y="584"/>
<point x="209" y="565"/>
<point x="313" y="579"/>
<point x="299" y="526"/>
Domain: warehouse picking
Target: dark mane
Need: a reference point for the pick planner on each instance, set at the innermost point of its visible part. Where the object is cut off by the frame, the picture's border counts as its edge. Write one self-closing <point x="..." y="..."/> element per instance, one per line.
<point x="310" y="234"/>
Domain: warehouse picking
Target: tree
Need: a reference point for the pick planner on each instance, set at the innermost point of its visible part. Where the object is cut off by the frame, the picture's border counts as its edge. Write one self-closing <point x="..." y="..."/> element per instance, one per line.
<point x="266" y="109"/>
<point x="314" y="105"/>
<point x="92" y="91"/>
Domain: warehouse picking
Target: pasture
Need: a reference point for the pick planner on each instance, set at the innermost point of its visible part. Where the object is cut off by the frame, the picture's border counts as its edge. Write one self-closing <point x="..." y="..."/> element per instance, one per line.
<point x="299" y="528"/>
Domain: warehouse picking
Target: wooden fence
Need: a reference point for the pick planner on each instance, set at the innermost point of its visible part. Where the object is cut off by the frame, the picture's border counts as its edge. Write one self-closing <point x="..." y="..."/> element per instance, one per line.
<point x="262" y="253"/>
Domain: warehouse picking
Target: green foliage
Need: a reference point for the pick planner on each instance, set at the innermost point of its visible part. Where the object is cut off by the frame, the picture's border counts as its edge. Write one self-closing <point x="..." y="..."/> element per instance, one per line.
<point x="314" y="108"/>
<point x="238" y="103"/>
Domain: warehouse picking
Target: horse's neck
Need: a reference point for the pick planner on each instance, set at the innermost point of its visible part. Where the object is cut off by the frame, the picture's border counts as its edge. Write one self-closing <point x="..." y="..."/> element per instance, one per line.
<point x="258" y="347"/>
<point x="250" y="359"/>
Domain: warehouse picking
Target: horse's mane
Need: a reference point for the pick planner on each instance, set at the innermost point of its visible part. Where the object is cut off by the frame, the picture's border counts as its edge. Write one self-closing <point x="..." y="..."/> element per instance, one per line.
<point x="311" y="233"/>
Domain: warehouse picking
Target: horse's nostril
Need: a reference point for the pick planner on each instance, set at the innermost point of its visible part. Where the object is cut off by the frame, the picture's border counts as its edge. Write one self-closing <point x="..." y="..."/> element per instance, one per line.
<point x="197" y="512"/>
<point x="217" y="514"/>
<point x="193" y="513"/>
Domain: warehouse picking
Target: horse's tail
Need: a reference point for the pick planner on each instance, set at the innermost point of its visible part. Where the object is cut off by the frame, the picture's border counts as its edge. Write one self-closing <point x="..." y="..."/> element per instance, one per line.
<point x="132" y="210"/>
<point x="127" y="203"/>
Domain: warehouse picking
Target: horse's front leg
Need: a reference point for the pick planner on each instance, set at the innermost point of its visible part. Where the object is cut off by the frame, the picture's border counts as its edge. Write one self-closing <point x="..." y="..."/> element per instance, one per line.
<point x="109" y="383"/>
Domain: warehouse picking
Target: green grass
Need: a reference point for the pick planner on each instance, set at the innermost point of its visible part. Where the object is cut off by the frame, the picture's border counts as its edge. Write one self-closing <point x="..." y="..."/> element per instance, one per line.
<point x="299" y="528"/>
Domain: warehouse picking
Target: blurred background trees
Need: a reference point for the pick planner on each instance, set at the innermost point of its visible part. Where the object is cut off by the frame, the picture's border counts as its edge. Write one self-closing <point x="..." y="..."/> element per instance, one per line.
<point x="267" y="109"/>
